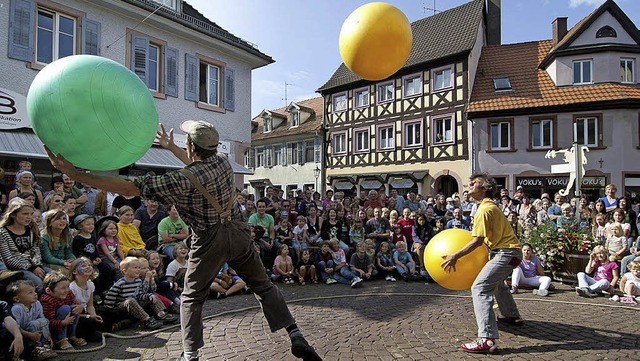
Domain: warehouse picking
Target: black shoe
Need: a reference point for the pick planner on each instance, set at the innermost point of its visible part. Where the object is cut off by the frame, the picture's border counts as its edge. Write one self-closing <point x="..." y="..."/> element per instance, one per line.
<point x="167" y="319"/>
<point x="515" y="321"/>
<point x="300" y="348"/>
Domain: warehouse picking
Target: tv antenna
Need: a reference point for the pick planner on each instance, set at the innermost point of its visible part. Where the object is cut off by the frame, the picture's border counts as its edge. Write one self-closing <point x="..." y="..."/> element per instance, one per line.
<point x="286" y="100"/>
<point x="431" y="9"/>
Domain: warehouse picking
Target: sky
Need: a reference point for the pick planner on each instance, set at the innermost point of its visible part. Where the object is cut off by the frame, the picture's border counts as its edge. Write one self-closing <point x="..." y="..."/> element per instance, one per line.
<point x="302" y="35"/>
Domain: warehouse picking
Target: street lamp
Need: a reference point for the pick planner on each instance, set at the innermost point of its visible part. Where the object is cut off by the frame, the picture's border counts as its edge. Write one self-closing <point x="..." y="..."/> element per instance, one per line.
<point x="316" y="173"/>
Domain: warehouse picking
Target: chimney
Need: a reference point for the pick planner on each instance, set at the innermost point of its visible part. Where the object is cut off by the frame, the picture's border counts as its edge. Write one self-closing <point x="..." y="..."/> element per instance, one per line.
<point x="559" y="29"/>
<point x="494" y="36"/>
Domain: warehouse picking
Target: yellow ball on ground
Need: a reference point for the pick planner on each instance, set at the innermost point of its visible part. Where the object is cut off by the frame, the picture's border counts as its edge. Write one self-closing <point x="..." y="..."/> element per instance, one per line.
<point x="467" y="268"/>
<point x="375" y="40"/>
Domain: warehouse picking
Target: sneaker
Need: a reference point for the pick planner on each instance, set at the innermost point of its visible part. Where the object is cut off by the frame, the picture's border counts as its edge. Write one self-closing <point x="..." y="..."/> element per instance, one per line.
<point x="331" y="281"/>
<point x="387" y="278"/>
<point x="615" y="298"/>
<point x="151" y="324"/>
<point x="585" y="292"/>
<point x="356" y="282"/>
<point x="120" y="325"/>
<point x="181" y="358"/>
<point x="392" y="279"/>
<point x="515" y="321"/>
<point x="63" y="345"/>
<point x="41" y="353"/>
<point x="514" y="290"/>
<point x="77" y="341"/>
<point x="405" y="277"/>
<point x="220" y="295"/>
<point x="480" y="345"/>
<point x="300" y="348"/>
<point x="542" y="293"/>
<point x="167" y="319"/>
<point x="628" y="300"/>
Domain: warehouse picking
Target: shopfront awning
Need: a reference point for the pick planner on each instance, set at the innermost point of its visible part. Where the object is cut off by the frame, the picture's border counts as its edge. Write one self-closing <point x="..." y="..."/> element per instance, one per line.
<point x="24" y="143"/>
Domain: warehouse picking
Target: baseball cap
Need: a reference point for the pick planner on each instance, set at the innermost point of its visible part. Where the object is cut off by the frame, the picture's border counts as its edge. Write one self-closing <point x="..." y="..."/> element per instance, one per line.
<point x="202" y="134"/>
<point x="81" y="218"/>
<point x="519" y="188"/>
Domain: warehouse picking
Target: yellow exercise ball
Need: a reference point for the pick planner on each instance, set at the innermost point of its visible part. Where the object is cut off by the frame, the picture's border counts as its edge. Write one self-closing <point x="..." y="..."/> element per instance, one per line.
<point x="375" y="40"/>
<point x="467" y="268"/>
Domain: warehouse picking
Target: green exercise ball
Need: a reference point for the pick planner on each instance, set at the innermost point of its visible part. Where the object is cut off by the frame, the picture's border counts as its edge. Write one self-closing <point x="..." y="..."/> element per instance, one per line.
<point x="95" y="112"/>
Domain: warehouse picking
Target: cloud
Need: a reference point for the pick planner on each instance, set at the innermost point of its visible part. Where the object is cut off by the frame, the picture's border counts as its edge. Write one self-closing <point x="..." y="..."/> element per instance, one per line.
<point x="299" y="75"/>
<point x="591" y="3"/>
<point x="268" y="87"/>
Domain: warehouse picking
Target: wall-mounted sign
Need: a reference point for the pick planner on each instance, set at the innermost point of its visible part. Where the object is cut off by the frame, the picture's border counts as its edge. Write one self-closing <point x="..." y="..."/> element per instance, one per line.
<point x="13" y="110"/>
<point x="554" y="181"/>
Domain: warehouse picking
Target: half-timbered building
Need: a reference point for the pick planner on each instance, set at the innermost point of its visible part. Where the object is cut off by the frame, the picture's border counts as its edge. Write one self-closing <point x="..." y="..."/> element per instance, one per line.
<point x="409" y="132"/>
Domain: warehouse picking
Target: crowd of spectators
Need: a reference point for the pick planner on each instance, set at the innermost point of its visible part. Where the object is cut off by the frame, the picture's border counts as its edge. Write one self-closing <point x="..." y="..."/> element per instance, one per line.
<point x="75" y="245"/>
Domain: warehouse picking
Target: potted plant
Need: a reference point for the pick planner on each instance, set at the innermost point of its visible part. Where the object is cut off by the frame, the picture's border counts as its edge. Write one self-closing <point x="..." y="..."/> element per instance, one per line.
<point x="563" y="251"/>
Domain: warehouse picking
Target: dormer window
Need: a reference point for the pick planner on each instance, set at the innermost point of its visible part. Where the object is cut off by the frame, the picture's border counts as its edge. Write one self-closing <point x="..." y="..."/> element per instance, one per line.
<point x="268" y="124"/>
<point x="295" y="119"/>
<point x="582" y="72"/>
<point x="501" y="83"/>
<point x="606" y="32"/>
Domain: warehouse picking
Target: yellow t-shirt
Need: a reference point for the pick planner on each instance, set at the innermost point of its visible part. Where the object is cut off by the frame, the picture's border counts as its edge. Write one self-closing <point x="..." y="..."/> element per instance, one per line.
<point x="129" y="238"/>
<point x="490" y="223"/>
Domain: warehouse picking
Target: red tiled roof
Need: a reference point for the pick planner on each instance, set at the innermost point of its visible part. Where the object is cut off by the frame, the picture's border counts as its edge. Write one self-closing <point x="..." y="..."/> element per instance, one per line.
<point x="312" y="124"/>
<point x="533" y="87"/>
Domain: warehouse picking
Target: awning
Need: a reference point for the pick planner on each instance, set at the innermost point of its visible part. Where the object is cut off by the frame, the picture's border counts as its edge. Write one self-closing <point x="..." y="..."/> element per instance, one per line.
<point x="24" y="143"/>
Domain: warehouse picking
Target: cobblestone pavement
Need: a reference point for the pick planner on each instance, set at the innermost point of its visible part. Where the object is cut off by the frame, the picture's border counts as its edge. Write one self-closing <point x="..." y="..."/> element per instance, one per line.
<point x="397" y="321"/>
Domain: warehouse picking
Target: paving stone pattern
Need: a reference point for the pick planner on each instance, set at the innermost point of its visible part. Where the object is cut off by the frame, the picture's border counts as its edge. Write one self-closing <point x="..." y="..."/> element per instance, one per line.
<point x="397" y="321"/>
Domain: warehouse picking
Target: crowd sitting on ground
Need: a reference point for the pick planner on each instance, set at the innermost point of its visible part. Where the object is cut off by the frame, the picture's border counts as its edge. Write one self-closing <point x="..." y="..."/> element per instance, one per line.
<point x="74" y="255"/>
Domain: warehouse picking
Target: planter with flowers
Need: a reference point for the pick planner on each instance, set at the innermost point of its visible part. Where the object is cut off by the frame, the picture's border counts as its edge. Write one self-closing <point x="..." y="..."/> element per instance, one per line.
<point x="563" y="251"/>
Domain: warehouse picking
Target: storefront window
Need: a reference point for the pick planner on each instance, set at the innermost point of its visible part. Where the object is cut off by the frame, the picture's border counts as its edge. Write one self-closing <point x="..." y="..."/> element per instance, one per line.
<point x="632" y="187"/>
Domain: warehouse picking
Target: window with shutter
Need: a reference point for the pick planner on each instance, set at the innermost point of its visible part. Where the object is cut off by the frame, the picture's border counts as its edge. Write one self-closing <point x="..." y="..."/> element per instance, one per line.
<point x="56" y="34"/>
<point x="301" y="153"/>
<point x="210" y="84"/>
<point x="148" y="61"/>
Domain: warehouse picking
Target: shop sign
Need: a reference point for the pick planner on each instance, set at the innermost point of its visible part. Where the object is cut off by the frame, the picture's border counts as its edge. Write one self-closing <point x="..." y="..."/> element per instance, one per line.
<point x="343" y="185"/>
<point x="371" y="184"/>
<point x="13" y="110"/>
<point x="558" y="182"/>
<point x="401" y="183"/>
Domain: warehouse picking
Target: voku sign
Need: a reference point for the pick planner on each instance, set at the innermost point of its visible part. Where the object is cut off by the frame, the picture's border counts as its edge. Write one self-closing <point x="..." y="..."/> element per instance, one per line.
<point x="13" y="110"/>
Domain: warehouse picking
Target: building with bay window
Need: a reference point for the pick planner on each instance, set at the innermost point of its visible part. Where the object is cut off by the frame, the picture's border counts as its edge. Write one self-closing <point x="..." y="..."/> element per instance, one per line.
<point x="580" y="87"/>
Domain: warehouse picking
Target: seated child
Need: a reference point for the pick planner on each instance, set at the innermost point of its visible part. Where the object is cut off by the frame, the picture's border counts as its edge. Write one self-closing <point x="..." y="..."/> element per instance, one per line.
<point x="85" y="245"/>
<point x="324" y="263"/>
<point x="60" y="307"/>
<point x="11" y="342"/>
<point x="306" y="269"/>
<point x="360" y="263"/>
<point x="130" y="294"/>
<point x="405" y="265"/>
<point x="177" y="267"/>
<point x="300" y="240"/>
<point x="110" y="251"/>
<point x="34" y="327"/>
<point x="149" y="275"/>
<point x="356" y="233"/>
<point x="283" y="266"/>
<point x="84" y="289"/>
<point x="630" y="282"/>
<point x="342" y="272"/>
<point x="385" y="261"/>
<point x="606" y="274"/>
<point x="168" y="289"/>
<point x="227" y="283"/>
<point x="616" y="243"/>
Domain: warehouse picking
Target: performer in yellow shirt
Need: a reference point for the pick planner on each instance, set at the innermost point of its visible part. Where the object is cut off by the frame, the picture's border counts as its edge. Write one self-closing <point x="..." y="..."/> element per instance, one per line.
<point x="490" y="227"/>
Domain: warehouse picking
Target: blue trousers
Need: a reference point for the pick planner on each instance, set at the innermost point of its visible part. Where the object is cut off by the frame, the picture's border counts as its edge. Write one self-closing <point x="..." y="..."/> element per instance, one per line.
<point x="67" y="331"/>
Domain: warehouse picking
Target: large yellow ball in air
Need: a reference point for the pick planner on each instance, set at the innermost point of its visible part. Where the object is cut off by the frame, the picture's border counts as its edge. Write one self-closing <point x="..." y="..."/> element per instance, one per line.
<point x="467" y="267"/>
<point x="375" y="40"/>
